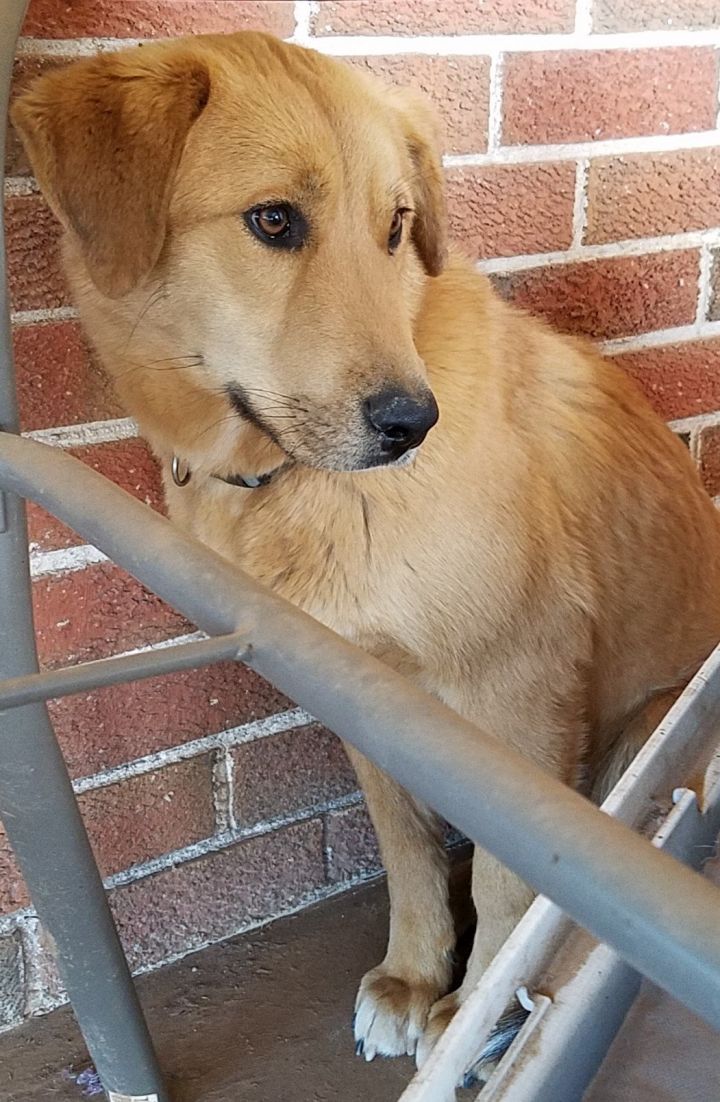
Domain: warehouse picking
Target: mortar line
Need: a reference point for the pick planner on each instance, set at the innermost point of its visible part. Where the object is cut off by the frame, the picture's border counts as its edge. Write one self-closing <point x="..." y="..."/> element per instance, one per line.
<point x="447" y="45"/>
<point x="580" y="203"/>
<point x="218" y="842"/>
<point x="704" y="285"/>
<point x="495" y="105"/>
<point x="239" y="735"/>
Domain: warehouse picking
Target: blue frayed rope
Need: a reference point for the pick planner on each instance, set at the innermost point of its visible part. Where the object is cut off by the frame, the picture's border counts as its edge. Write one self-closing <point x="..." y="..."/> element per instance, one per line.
<point x="87" y="1079"/>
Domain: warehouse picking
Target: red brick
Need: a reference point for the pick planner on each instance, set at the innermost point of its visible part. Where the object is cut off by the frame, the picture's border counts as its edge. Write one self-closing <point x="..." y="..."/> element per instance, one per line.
<point x="610" y="298"/>
<point x="351" y="847"/>
<point x="458" y="86"/>
<point x="36" y="281"/>
<point x="708" y="454"/>
<point x="111" y="726"/>
<point x="653" y="194"/>
<point x="289" y="772"/>
<point x="13" y="893"/>
<point x="149" y="815"/>
<point x="594" y="95"/>
<point x="215" y="896"/>
<point x="654" y="15"/>
<point x="95" y="612"/>
<point x="680" y="379"/>
<point x="510" y="209"/>
<point x="58" y="380"/>
<point x="129" y="463"/>
<point x="403" y="17"/>
<point x="154" y="18"/>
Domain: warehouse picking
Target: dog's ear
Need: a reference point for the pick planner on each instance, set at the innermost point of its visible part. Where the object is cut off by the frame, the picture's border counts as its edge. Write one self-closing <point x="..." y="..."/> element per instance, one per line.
<point x="104" y="137"/>
<point x="422" y="135"/>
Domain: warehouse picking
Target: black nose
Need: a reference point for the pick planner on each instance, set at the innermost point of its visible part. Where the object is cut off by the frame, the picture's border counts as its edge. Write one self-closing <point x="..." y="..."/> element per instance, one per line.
<point x="403" y="421"/>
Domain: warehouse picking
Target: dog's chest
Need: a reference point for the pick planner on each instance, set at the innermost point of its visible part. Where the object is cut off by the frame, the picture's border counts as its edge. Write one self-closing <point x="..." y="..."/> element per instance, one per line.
<point x="315" y="549"/>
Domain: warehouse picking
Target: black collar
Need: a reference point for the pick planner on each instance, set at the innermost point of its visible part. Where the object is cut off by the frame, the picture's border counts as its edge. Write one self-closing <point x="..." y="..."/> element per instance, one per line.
<point x="181" y="475"/>
<point x="250" y="481"/>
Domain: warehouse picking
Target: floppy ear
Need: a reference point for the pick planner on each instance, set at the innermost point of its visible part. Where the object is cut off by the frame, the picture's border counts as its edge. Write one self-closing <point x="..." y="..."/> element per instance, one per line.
<point x="104" y="137"/>
<point x="422" y="134"/>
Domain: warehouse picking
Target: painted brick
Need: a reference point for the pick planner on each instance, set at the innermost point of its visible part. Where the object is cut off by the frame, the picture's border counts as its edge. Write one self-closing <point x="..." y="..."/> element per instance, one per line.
<point x="129" y="463"/>
<point x="112" y="726"/>
<point x="610" y="298"/>
<point x="458" y="86"/>
<point x="149" y="815"/>
<point x="708" y="454"/>
<point x="595" y="95"/>
<point x="680" y="380"/>
<point x="34" y="275"/>
<point x="290" y="771"/>
<point x="714" y="304"/>
<point x="13" y="892"/>
<point x="44" y="986"/>
<point x="404" y="17"/>
<point x="351" y="847"/>
<point x="58" y="380"/>
<point x="150" y="18"/>
<point x="12" y="979"/>
<point x="654" y="194"/>
<point x="98" y="611"/>
<point x="215" y="896"/>
<point x="654" y="15"/>
<point x="511" y="209"/>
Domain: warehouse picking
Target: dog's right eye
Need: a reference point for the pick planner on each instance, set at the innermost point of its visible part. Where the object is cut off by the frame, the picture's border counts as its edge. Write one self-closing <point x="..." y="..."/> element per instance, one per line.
<point x="277" y="224"/>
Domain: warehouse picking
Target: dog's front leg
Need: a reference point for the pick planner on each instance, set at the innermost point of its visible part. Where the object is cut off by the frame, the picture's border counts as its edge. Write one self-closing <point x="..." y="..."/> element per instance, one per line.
<point x="395" y="998"/>
<point x="501" y="899"/>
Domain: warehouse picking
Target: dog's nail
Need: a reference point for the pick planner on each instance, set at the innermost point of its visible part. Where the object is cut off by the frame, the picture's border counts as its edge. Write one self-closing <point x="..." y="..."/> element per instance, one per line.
<point x="359" y="1048"/>
<point x="370" y="1052"/>
<point x="469" y="1080"/>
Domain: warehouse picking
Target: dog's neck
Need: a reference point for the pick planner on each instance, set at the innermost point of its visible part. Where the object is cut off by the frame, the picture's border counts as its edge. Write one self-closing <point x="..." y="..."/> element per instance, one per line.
<point x="233" y="452"/>
<point x="181" y="474"/>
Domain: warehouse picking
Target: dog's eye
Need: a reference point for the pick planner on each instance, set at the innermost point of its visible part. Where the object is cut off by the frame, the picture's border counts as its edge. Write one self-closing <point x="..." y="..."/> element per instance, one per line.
<point x="396" y="229"/>
<point x="277" y="224"/>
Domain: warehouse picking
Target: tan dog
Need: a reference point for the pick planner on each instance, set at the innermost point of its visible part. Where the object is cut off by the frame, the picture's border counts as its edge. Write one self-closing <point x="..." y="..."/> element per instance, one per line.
<point x="255" y="237"/>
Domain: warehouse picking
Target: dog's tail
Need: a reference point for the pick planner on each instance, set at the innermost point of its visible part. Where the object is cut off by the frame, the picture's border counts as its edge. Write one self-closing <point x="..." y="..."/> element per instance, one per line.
<point x="503" y="1034"/>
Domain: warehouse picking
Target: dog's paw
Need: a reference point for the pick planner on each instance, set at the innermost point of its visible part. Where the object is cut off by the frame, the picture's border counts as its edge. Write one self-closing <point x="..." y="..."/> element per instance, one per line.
<point x="390" y="1014"/>
<point x="439" y="1018"/>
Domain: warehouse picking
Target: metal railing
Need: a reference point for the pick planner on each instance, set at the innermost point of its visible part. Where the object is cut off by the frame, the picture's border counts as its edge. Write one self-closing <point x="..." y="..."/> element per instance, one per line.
<point x="661" y="917"/>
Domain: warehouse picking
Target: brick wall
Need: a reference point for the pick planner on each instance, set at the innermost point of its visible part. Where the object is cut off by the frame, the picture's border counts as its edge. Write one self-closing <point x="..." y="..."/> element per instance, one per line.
<point x="583" y="168"/>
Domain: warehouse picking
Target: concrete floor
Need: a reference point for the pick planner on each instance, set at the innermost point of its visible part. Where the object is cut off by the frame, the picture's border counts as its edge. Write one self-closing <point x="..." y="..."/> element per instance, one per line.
<point x="261" y="1018"/>
<point x="266" y="1017"/>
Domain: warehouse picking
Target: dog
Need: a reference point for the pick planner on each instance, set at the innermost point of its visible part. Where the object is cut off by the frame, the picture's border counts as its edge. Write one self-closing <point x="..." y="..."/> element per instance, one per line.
<point x="255" y="236"/>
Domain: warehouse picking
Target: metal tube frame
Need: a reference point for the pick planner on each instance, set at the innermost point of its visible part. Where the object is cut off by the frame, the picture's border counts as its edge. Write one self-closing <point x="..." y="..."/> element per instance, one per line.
<point x="658" y="915"/>
<point x="37" y="804"/>
<point x="17" y="691"/>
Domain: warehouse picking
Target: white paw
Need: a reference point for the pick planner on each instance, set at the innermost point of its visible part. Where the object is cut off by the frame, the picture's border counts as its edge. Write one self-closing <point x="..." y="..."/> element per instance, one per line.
<point x="390" y="1014"/>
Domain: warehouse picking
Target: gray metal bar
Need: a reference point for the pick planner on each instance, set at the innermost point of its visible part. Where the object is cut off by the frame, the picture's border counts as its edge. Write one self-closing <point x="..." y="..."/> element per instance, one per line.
<point x="37" y="805"/>
<point x="658" y="915"/>
<point x="686" y="735"/>
<point x="17" y="691"/>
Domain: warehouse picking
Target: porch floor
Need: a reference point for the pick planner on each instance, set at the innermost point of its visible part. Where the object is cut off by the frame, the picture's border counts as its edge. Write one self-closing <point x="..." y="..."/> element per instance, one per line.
<point x="266" y="1016"/>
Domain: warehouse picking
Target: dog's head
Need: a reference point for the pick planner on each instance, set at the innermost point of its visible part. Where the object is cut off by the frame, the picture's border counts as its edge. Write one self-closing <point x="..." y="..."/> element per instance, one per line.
<point x="248" y="227"/>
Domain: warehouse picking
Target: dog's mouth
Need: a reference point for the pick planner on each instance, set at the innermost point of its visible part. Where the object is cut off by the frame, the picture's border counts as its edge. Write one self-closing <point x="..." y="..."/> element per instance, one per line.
<point x="317" y="443"/>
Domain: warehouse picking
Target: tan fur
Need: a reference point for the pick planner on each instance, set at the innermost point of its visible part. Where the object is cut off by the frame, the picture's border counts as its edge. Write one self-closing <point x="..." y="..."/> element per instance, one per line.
<point x="549" y="565"/>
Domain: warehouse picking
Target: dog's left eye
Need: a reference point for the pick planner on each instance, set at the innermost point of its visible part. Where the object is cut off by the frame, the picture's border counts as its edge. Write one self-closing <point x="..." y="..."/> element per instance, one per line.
<point x="396" y="229"/>
<point x="277" y="224"/>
